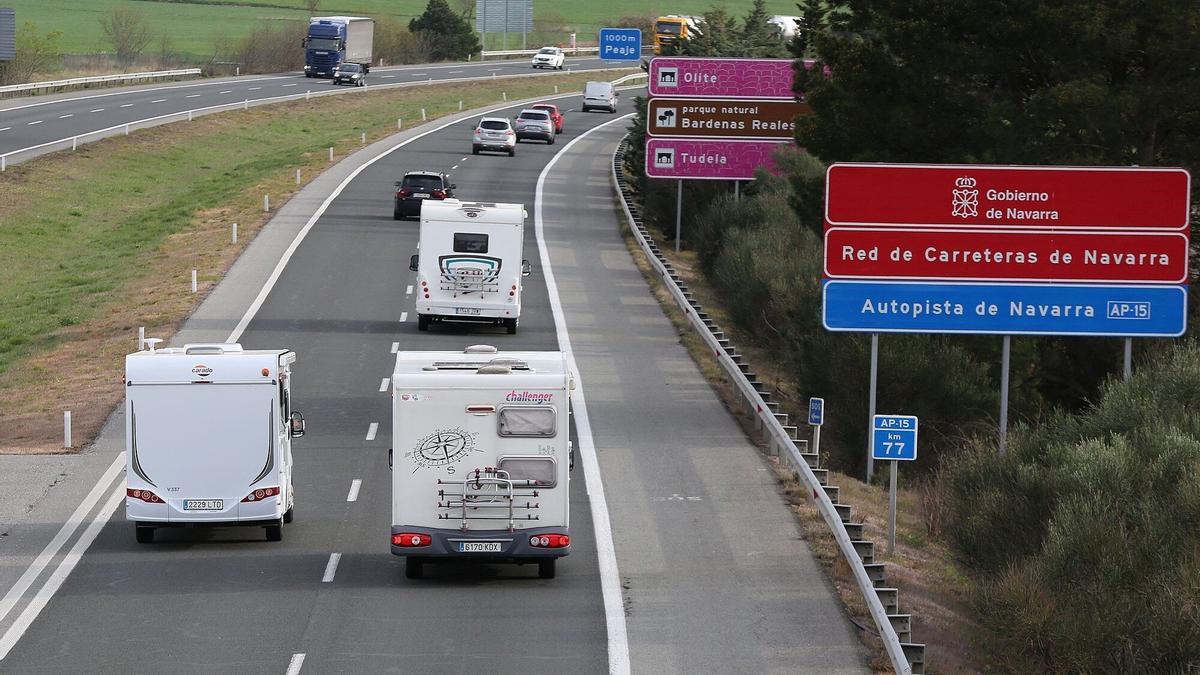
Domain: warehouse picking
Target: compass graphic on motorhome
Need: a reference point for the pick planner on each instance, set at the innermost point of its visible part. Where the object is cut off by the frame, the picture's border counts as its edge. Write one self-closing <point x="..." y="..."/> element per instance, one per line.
<point x="443" y="448"/>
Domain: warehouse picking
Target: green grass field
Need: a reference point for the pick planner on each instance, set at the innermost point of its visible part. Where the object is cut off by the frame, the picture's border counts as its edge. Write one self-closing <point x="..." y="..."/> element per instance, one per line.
<point x="194" y="27"/>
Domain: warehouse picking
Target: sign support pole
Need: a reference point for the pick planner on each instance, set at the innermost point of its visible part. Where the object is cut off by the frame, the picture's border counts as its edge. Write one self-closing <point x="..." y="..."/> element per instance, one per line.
<point x="1128" y="358"/>
<point x="1005" y="355"/>
<point x="737" y="190"/>
<point x="871" y="403"/>
<point x="892" y="509"/>
<point x="678" y="214"/>
<point x="817" y="439"/>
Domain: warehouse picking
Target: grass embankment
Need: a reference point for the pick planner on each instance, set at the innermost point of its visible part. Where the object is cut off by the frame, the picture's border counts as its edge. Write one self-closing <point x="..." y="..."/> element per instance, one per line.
<point x="98" y="242"/>
<point x="197" y="27"/>
<point x="932" y="586"/>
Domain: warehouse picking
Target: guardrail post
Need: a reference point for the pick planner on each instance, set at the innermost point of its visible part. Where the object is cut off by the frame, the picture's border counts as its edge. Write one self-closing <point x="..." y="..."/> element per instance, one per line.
<point x="67" y="429"/>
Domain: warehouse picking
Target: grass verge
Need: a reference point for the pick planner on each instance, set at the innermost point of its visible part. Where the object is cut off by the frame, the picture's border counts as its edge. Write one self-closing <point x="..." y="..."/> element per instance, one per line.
<point x="932" y="586"/>
<point x="98" y="242"/>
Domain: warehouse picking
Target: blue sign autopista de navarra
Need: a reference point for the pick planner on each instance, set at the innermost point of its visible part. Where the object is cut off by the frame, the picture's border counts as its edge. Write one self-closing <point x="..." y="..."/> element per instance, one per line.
<point x="620" y="44"/>
<point x="1005" y="309"/>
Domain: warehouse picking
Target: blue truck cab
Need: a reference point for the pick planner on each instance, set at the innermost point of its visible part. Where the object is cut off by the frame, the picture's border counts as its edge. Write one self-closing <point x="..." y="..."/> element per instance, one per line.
<point x="333" y="40"/>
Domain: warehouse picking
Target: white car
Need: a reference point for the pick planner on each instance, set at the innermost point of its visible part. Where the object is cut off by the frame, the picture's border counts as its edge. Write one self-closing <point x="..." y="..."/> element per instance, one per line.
<point x="549" y="57"/>
<point x="494" y="133"/>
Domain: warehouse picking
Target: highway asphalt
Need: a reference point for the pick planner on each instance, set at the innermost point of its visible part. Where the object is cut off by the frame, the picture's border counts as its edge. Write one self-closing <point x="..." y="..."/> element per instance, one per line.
<point x="713" y="575"/>
<point x="29" y="122"/>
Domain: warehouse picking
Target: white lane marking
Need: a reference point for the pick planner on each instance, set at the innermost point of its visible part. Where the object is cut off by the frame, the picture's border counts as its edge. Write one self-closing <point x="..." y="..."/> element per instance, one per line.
<point x="253" y="88"/>
<point x="227" y="91"/>
<point x="453" y="72"/>
<point x="126" y="105"/>
<point x="387" y="75"/>
<point x="331" y="567"/>
<point x="610" y="580"/>
<point x="33" y="123"/>
<point x="288" y="85"/>
<point x="63" y="117"/>
<point x="64" y="533"/>
<point x="372" y="430"/>
<point x="296" y="664"/>
<point x="97" y="110"/>
<point x="418" y="74"/>
<point x="491" y="69"/>
<point x="5" y="128"/>
<point x="454" y="167"/>
<point x="408" y="290"/>
<point x="192" y="96"/>
<point x="312" y="221"/>
<point x="463" y="159"/>
<point x="383" y="385"/>
<point x="60" y="573"/>
<point x="395" y="347"/>
<point x="403" y="317"/>
<point x="139" y="91"/>
<point x="158" y="100"/>
<point x="354" y="486"/>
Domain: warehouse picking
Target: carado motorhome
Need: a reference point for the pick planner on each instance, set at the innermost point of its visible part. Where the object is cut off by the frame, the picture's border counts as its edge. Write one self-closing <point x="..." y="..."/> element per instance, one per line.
<point x="481" y="457"/>
<point x="469" y="267"/>
<point x="208" y="437"/>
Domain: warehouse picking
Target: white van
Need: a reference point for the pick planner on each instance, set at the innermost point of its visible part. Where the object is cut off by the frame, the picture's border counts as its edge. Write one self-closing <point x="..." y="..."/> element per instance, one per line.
<point x="600" y="96"/>
<point x="469" y="267"/>
<point x="481" y="457"/>
<point x="208" y="431"/>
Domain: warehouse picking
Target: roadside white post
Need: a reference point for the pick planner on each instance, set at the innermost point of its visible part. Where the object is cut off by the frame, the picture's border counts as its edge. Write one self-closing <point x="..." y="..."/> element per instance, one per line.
<point x="556" y="88"/>
<point x="266" y="202"/>
<point x="126" y="129"/>
<point x="246" y="104"/>
<point x="297" y="176"/>
<point x="237" y="70"/>
<point x="460" y="105"/>
<point x="234" y="237"/>
<point x="3" y="162"/>
<point x="504" y="95"/>
<point x="74" y="140"/>
<point x="193" y="281"/>
<point x="308" y="94"/>
<point x="66" y="428"/>
<point x="189" y="115"/>
<point x="381" y="62"/>
<point x="364" y="138"/>
<point x="399" y="123"/>
<point x="423" y="117"/>
<point x="331" y="153"/>
<point x="141" y="338"/>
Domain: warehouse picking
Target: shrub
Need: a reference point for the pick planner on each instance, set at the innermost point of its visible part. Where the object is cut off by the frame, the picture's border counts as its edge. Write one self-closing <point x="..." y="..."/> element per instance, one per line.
<point x="272" y="47"/>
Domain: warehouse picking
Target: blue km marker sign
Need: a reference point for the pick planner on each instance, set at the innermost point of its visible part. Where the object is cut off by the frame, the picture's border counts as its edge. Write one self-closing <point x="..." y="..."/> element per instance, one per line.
<point x="894" y="438"/>
<point x="620" y="44"/>
<point x="816" y="411"/>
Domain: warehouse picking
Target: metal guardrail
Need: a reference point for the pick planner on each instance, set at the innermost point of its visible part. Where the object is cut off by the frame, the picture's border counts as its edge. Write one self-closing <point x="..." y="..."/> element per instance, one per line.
<point x="570" y="51"/>
<point x="98" y="79"/>
<point x="781" y="441"/>
<point x="72" y="142"/>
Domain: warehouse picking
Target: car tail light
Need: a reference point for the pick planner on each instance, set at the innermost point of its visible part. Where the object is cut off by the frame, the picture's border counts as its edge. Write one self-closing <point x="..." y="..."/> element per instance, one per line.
<point x="404" y="192"/>
<point x="261" y="494"/>
<point x="411" y="539"/>
<point x="508" y="133"/>
<point x="550" y="541"/>
<point x="479" y="130"/>
<point x="144" y="495"/>
<point x="438" y="194"/>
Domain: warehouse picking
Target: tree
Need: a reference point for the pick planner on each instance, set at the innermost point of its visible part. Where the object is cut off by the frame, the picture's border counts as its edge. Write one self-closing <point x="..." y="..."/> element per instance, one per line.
<point x="127" y="31"/>
<point x="35" y="53"/>
<point x="760" y="39"/>
<point x="449" y="34"/>
<point x="719" y="35"/>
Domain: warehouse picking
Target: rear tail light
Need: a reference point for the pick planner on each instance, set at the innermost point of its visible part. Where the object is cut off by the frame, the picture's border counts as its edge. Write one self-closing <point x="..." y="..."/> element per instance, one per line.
<point x="550" y="541"/>
<point x="261" y="494"/>
<point x="404" y="192"/>
<point x="439" y="194"/>
<point x="479" y="130"/>
<point x="508" y="133"/>
<point x="411" y="539"/>
<point x="144" y="495"/>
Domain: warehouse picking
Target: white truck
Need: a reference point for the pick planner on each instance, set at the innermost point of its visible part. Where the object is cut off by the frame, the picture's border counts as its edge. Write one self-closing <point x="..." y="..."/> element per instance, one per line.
<point x="208" y="437"/>
<point x="469" y="265"/>
<point x="481" y="457"/>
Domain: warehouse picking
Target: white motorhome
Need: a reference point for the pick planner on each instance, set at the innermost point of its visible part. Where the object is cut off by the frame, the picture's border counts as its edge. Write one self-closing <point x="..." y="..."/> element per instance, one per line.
<point x="481" y="457"/>
<point x="208" y="431"/>
<point x="787" y="25"/>
<point x="469" y="265"/>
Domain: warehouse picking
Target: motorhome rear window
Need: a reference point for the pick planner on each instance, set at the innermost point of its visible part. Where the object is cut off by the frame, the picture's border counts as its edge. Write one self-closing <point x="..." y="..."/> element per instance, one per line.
<point x="540" y="469"/>
<point x="469" y="242"/>
<point x="528" y="421"/>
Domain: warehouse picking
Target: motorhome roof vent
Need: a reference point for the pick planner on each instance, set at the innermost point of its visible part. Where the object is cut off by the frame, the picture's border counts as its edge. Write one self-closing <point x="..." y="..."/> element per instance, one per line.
<point x="481" y="349"/>
<point x="507" y="361"/>
<point x="215" y="348"/>
<point x="429" y="367"/>
<point x="494" y="370"/>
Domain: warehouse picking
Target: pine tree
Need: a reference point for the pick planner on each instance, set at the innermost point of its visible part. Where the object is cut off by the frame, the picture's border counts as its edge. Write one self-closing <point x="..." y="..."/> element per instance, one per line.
<point x="449" y="34"/>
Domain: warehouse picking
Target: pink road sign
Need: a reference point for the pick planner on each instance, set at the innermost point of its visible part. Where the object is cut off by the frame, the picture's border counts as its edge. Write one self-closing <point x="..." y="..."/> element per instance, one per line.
<point x="708" y="159"/>
<point x="721" y="78"/>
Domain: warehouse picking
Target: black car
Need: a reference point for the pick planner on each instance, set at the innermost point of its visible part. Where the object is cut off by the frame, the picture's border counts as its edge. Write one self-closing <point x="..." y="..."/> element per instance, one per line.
<point x="418" y="186"/>
<point x="350" y="73"/>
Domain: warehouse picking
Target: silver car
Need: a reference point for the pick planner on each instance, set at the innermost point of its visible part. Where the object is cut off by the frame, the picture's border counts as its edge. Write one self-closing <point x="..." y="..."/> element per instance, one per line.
<point x="534" y="124"/>
<point x="494" y="133"/>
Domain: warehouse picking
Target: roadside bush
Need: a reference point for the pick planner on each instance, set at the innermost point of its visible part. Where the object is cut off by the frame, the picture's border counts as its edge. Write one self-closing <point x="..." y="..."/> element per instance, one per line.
<point x="395" y="43"/>
<point x="36" y="54"/>
<point x="1088" y="532"/>
<point x="272" y="47"/>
